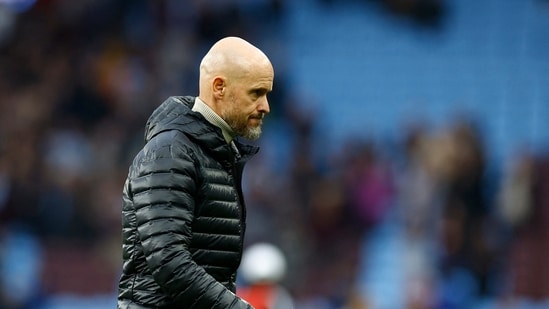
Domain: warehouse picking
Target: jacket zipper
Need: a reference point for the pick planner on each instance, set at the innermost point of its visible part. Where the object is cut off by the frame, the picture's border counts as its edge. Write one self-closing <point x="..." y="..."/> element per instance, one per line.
<point x="237" y="182"/>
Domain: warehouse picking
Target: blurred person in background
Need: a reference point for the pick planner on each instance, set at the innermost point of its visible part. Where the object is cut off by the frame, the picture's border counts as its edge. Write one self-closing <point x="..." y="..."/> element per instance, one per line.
<point x="263" y="269"/>
<point x="523" y="206"/>
<point x="184" y="212"/>
<point x="457" y="160"/>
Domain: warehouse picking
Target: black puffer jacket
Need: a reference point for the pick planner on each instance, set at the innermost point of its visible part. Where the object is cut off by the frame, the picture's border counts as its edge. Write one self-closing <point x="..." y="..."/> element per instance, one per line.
<point x="183" y="214"/>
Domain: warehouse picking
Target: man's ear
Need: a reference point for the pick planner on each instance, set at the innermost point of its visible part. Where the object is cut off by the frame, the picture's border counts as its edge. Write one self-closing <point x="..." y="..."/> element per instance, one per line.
<point x="218" y="87"/>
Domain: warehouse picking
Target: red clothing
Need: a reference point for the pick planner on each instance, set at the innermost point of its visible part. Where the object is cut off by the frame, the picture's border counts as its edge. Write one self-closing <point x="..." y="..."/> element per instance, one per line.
<point x="260" y="296"/>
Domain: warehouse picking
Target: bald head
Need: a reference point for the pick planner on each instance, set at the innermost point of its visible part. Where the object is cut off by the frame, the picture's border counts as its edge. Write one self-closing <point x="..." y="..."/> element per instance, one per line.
<point x="235" y="78"/>
<point x="230" y="58"/>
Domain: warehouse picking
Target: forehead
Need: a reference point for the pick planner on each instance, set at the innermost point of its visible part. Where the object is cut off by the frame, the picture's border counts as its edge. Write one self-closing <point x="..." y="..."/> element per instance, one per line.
<point x="262" y="82"/>
<point x="260" y="78"/>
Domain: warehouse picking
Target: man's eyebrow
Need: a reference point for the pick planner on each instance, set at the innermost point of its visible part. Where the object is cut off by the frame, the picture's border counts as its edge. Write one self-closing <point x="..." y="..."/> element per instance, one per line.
<point x="260" y="89"/>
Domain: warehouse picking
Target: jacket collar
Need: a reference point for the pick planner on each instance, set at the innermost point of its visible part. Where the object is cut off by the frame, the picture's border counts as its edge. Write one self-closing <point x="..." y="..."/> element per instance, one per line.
<point x="176" y="114"/>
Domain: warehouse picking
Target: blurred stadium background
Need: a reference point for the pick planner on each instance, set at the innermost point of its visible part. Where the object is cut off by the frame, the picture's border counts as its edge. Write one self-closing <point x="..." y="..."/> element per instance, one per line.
<point x="404" y="165"/>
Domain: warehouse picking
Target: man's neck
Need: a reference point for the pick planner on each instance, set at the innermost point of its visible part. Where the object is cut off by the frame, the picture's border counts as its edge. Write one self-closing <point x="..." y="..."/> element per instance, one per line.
<point x="210" y="115"/>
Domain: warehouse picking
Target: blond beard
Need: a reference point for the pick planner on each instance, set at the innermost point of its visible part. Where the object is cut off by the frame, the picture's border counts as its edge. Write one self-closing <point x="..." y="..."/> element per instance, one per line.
<point x="240" y="125"/>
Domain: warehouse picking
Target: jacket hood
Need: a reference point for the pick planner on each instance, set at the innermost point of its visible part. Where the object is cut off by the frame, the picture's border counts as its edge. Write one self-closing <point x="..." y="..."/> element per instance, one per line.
<point x="176" y="114"/>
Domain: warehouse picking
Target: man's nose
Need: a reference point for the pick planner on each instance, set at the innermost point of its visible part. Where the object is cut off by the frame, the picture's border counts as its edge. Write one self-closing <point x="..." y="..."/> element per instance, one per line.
<point x="264" y="106"/>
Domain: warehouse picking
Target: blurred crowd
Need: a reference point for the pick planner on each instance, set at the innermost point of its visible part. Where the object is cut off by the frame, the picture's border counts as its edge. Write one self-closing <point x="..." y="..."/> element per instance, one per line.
<point x="78" y="80"/>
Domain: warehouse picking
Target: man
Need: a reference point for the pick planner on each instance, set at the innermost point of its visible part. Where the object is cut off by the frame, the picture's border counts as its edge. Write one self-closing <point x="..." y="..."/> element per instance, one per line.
<point x="183" y="210"/>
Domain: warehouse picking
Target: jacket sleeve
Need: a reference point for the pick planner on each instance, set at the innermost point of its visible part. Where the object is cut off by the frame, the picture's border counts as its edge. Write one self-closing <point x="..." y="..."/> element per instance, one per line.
<point x="163" y="192"/>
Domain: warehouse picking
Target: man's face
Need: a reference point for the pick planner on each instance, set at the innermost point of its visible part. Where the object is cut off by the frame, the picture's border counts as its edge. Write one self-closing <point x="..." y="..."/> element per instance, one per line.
<point x="247" y="103"/>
